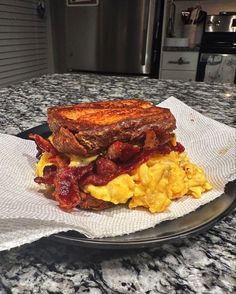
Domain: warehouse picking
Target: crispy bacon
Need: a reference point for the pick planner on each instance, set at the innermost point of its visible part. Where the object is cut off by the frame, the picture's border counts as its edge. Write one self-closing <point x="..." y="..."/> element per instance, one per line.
<point x="121" y="168"/>
<point x="68" y="193"/>
<point x="101" y="172"/>
<point x="105" y="166"/>
<point x="179" y="147"/>
<point x="97" y="180"/>
<point x="59" y="160"/>
<point x="43" y="145"/>
<point x="49" y="173"/>
<point x="83" y="171"/>
<point x="153" y="141"/>
<point x="122" y="151"/>
<point x="165" y="138"/>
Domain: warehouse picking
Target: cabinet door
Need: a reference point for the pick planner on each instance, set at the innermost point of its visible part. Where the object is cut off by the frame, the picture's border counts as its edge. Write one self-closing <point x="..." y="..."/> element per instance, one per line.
<point x="180" y="60"/>
<point x="184" y="75"/>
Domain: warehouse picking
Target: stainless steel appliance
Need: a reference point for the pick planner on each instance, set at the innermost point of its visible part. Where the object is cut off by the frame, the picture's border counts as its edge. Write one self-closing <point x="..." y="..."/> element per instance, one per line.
<point x="116" y="36"/>
<point x="217" y="59"/>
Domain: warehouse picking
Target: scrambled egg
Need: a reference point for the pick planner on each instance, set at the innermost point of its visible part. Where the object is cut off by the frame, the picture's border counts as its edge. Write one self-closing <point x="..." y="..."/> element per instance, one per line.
<point x="155" y="183"/>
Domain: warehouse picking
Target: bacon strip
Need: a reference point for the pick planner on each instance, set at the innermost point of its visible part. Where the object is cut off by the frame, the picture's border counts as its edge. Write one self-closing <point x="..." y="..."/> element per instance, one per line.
<point x="105" y="167"/>
<point x="43" y="145"/>
<point x="121" y="168"/>
<point x="68" y="193"/>
<point x="49" y="173"/>
<point x="122" y="151"/>
<point x="153" y="141"/>
<point x="59" y="160"/>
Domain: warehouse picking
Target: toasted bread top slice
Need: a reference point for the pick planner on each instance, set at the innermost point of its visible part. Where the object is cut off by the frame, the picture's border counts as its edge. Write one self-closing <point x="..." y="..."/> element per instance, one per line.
<point x="96" y="113"/>
<point x="89" y="128"/>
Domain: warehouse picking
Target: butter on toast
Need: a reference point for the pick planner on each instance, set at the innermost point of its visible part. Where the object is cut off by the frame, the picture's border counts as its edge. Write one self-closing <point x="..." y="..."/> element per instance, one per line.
<point x="90" y="128"/>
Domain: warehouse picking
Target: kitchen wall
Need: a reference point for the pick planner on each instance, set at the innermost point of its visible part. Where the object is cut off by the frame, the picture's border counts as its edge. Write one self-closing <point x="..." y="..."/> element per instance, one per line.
<point x="25" y="41"/>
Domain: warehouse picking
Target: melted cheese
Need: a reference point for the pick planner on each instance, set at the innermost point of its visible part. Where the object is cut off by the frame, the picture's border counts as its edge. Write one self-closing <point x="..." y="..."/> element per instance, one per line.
<point x="76" y="160"/>
<point x="44" y="161"/>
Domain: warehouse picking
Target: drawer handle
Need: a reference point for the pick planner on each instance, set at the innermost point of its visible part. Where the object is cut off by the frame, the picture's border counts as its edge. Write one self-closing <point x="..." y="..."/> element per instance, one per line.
<point x="179" y="61"/>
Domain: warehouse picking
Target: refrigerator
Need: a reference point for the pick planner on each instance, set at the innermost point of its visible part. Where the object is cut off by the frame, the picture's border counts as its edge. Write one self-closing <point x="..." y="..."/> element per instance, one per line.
<point x="114" y="36"/>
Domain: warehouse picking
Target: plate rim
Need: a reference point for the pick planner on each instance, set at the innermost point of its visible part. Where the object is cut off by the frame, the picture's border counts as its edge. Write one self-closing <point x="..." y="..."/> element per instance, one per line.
<point x="105" y="243"/>
<point x="148" y="242"/>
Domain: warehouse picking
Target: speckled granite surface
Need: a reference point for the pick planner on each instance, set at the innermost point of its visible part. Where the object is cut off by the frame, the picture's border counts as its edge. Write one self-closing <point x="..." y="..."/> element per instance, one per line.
<point x="202" y="264"/>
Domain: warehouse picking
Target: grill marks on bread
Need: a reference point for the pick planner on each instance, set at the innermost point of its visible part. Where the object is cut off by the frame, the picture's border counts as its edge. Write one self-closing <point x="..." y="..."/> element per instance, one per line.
<point x="89" y="128"/>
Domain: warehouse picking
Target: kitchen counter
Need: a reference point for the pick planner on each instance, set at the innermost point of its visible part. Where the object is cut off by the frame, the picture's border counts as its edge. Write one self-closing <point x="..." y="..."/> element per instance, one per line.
<point x="202" y="264"/>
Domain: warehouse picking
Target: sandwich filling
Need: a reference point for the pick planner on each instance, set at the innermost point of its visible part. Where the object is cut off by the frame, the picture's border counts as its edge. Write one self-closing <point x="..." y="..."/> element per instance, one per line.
<point x="151" y="176"/>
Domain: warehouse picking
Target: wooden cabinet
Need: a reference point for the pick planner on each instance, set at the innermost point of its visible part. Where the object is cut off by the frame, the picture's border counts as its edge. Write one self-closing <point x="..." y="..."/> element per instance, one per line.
<point x="179" y="65"/>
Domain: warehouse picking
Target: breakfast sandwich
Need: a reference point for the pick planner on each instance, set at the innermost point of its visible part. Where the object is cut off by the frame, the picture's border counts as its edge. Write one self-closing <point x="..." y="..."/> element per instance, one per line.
<point x="113" y="152"/>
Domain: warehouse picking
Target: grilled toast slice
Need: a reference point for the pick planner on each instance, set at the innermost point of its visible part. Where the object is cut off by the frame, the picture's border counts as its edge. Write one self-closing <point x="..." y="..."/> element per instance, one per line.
<point x="90" y="128"/>
<point x="92" y="110"/>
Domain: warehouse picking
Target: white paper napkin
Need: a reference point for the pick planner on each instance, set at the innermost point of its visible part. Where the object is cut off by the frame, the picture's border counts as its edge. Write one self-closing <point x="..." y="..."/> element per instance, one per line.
<point x="27" y="215"/>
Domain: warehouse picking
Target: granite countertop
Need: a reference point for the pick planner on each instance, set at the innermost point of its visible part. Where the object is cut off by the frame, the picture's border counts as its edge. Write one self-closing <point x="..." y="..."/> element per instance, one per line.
<point x="202" y="264"/>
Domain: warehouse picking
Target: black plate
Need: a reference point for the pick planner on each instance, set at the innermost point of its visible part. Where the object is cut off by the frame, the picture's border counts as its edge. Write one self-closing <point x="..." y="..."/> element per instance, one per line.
<point x="169" y="231"/>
